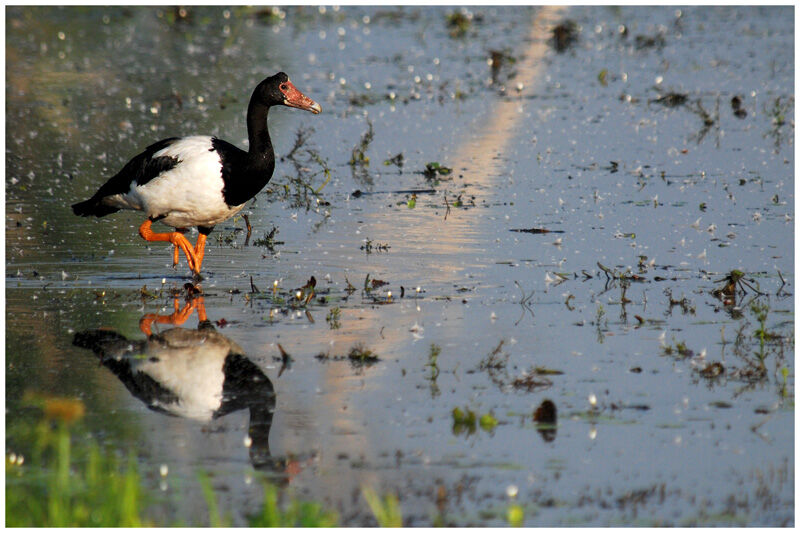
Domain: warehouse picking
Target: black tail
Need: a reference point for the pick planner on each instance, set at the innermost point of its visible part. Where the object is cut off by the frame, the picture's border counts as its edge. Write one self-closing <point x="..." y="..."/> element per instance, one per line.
<point x="103" y="342"/>
<point x="93" y="207"/>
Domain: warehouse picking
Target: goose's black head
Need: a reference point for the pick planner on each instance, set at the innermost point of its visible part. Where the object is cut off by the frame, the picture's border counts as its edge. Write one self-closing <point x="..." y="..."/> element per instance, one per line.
<point x="278" y="90"/>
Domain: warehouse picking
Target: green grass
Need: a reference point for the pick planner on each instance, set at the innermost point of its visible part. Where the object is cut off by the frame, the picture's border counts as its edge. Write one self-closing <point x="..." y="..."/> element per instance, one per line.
<point x="70" y="481"/>
<point x="64" y="487"/>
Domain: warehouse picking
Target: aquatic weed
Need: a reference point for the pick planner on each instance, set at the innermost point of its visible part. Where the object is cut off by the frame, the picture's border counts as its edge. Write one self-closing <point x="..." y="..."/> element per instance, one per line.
<point x="333" y="318"/>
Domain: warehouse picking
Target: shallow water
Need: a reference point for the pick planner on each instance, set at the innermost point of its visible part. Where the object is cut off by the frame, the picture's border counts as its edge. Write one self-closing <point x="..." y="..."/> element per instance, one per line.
<point x="594" y="156"/>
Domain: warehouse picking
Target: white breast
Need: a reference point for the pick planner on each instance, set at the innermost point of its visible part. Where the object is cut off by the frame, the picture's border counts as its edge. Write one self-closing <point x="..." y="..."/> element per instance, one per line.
<point x="191" y="368"/>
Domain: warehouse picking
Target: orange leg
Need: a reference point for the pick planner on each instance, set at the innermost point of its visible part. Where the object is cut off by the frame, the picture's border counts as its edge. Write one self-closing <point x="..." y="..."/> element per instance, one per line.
<point x="178" y="317"/>
<point x="176" y="238"/>
<point x="200" y="250"/>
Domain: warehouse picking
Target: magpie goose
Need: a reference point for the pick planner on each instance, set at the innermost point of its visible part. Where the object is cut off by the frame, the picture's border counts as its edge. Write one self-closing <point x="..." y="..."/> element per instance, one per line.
<point x="198" y="181"/>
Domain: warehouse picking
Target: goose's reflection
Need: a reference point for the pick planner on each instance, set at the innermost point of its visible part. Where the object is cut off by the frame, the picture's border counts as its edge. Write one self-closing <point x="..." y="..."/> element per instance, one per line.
<point x="198" y="374"/>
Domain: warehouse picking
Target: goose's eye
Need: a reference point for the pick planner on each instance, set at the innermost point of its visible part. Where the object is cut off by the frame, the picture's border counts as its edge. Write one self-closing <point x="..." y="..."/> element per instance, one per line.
<point x="284" y="87"/>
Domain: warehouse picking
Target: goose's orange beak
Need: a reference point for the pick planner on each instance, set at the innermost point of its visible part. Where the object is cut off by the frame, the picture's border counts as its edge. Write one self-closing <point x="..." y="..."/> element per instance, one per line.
<point x="294" y="98"/>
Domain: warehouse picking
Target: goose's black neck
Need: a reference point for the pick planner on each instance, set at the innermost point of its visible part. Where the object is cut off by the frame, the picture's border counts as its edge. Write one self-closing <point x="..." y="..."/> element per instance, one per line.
<point x="257" y="130"/>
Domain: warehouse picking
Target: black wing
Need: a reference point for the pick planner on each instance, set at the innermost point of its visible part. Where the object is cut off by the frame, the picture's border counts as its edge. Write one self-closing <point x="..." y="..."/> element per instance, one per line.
<point x="141" y="169"/>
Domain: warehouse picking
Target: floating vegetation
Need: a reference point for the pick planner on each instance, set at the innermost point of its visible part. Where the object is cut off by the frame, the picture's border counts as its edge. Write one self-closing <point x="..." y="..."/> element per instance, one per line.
<point x="565" y="35"/>
<point x="496" y="360"/>
<point x="712" y="370"/>
<point x="684" y="303"/>
<point x="671" y="99"/>
<point x="334" y="314"/>
<point x="679" y="350"/>
<point x="268" y="241"/>
<point x="305" y="293"/>
<point x="536" y="231"/>
<point x="736" y="279"/>
<point x="369" y="246"/>
<point x="533" y="380"/>
<point x="433" y="357"/>
<point x="708" y="119"/>
<point x="434" y="170"/>
<point x="499" y="61"/>
<point x="359" y="155"/>
<point x="467" y="421"/>
<point x="458" y="23"/>
<point x="396" y="160"/>
<point x="643" y="42"/>
<point x="360" y="355"/>
<point x="777" y="113"/>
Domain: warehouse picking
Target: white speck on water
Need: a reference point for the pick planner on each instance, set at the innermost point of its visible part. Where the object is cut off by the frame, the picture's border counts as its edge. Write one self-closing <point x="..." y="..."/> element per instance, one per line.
<point x="593" y="433"/>
<point x="592" y="400"/>
<point x="64" y="275"/>
<point x="512" y="491"/>
<point x="163" y="470"/>
<point x="248" y="441"/>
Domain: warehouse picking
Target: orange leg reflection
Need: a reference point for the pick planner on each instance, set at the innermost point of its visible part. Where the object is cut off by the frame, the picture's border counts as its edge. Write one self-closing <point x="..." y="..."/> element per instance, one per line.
<point x="178" y="317"/>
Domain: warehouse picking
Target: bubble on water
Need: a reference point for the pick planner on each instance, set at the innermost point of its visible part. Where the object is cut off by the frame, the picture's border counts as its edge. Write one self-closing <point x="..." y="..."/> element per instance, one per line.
<point x="248" y="441"/>
<point x="163" y="470"/>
